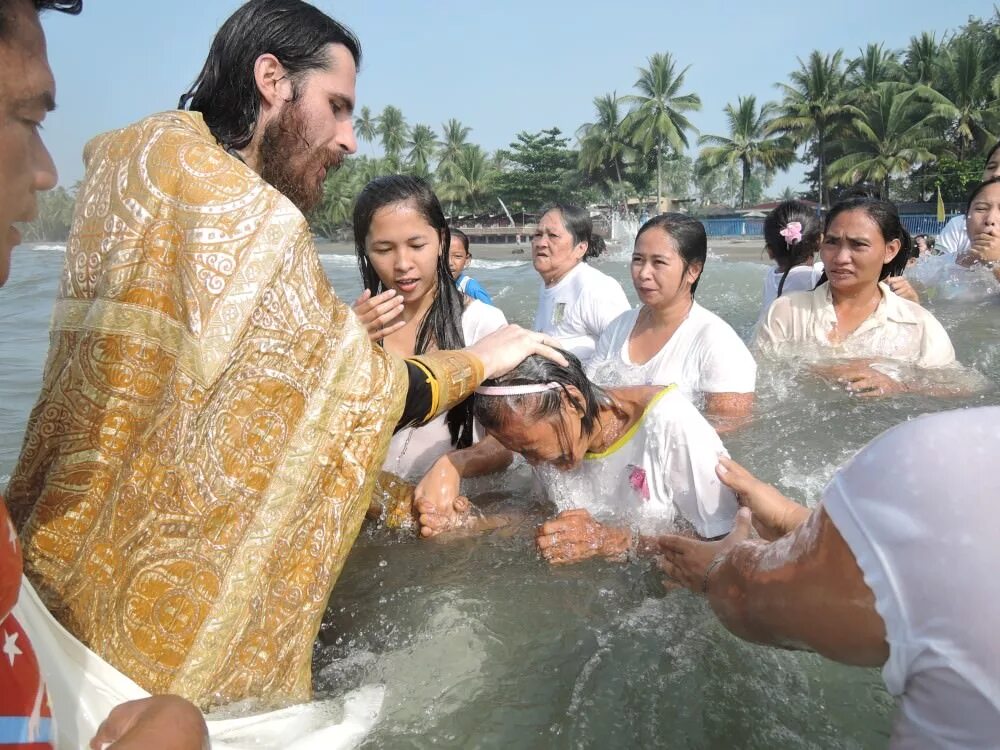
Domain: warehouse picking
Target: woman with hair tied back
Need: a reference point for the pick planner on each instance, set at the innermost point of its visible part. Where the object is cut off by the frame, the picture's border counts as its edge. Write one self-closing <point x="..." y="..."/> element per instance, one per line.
<point x="576" y="302"/>
<point x="852" y="313"/>
<point x="670" y="338"/>
<point x="792" y="233"/>
<point x="620" y="464"/>
<point x="411" y="305"/>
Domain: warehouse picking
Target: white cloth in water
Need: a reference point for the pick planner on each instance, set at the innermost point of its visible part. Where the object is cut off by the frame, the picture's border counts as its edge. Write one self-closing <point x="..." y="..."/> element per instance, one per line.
<point x="84" y="688"/>
<point x="704" y="355"/>
<point x="900" y="330"/>
<point x="578" y="309"/>
<point x="664" y="464"/>
<point x="917" y="507"/>
<point x="413" y="450"/>
<point x="800" y="279"/>
<point x="954" y="238"/>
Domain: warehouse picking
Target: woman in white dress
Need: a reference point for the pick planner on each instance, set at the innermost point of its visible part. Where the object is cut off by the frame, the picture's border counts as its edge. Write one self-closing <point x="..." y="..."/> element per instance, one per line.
<point x="411" y="305"/>
<point x="670" y="338"/>
<point x="620" y="465"/>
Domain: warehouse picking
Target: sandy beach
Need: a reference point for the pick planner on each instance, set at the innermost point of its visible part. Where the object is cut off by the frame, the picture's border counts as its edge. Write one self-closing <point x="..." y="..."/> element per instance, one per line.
<point x="727" y="248"/>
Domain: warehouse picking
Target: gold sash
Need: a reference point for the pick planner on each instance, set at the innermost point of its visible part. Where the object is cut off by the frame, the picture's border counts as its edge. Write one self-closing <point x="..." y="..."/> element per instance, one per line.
<point x="211" y="421"/>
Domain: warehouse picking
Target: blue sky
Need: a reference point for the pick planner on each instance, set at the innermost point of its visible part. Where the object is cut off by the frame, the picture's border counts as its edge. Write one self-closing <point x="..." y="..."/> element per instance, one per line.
<point x="499" y="67"/>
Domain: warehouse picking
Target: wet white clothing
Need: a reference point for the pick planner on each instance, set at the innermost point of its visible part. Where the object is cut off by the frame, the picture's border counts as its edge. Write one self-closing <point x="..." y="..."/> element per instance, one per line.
<point x="954" y="238"/>
<point x="800" y="279"/>
<point x="924" y="534"/>
<point x="414" y="450"/>
<point x="578" y="309"/>
<point x="799" y="323"/>
<point x="704" y="355"/>
<point x="657" y="477"/>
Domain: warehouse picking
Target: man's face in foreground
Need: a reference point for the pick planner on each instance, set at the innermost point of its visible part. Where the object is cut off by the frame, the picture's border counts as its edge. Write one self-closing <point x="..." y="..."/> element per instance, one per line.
<point x="313" y="131"/>
<point x="27" y="94"/>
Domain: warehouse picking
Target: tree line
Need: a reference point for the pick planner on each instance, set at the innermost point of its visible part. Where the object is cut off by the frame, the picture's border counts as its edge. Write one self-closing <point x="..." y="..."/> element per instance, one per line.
<point x="902" y="123"/>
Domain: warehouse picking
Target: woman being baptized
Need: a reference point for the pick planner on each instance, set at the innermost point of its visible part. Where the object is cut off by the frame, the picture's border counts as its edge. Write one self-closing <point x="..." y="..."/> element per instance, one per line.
<point x="621" y="465"/>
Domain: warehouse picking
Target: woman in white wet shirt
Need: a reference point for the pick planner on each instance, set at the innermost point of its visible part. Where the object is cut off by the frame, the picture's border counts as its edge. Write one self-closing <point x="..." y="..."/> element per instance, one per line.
<point x="576" y="302"/>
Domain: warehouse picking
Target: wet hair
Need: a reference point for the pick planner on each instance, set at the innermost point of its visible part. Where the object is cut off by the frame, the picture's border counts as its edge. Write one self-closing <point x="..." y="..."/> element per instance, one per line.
<point x="977" y="189"/>
<point x="494" y="412"/>
<point x="296" y="33"/>
<point x="462" y="236"/>
<point x="990" y="153"/>
<point x="688" y="234"/>
<point x="441" y="327"/>
<point x="886" y="217"/>
<point x="785" y="254"/>
<point x="581" y="228"/>
<point x="73" y="7"/>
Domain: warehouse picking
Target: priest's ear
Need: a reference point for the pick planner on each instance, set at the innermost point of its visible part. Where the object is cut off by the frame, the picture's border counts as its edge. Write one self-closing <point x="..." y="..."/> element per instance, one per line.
<point x="273" y="82"/>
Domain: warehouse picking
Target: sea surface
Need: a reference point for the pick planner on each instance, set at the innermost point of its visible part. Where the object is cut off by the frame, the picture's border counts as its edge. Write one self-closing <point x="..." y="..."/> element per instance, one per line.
<point x="481" y="644"/>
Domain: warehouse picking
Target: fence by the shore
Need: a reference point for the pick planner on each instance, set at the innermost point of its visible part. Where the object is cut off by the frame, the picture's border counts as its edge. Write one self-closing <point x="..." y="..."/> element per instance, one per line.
<point x="914" y="224"/>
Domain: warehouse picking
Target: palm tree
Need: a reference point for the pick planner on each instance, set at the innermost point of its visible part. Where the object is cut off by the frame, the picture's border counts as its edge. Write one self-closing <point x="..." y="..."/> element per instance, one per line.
<point x="921" y="58"/>
<point x="604" y="144"/>
<point x="470" y="178"/>
<point x="813" y="105"/>
<point x="964" y="94"/>
<point x="888" y="138"/>
<point x="392" y="131"/>
<point x="658" y="119"/>
<point x="873" y="66"/>
<point x="454" y="136"/>
<point x="366" y="125"/>
<point x="423" y="144"/>
<point x="748" y="143"/>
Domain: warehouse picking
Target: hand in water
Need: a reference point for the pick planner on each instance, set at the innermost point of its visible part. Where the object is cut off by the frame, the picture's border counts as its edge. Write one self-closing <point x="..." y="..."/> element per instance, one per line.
<point x="860" y="379"/>
<point x="378" y="314"/>
<point x="903" y="288"/>
<point x="507" y="347"/>
<point x="574" y="535"/>
<point x="162" y="721"/>
<point x="686" y="560"/>
<point x="774" y="515"/>
<point x="437" y="499"/>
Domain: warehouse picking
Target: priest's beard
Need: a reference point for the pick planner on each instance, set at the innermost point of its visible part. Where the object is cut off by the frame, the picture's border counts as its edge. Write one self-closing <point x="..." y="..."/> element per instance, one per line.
<point x="290" y="164"/>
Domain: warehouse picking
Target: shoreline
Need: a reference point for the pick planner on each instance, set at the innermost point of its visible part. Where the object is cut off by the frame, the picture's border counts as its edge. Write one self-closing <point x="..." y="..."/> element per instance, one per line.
<point x="729" y="249"/>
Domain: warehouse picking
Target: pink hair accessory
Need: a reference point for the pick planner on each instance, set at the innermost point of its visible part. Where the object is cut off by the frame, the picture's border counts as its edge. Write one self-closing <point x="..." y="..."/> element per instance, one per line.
<point x="515" y="390"/>
<point x="792" y="232"/>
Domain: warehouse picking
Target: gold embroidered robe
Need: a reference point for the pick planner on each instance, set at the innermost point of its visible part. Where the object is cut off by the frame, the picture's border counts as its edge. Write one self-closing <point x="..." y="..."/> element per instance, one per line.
<point x="211" y="420"/>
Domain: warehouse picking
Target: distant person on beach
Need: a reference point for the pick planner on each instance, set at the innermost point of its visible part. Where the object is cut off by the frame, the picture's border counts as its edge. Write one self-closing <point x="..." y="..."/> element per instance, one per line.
<point x="670" y="338"/>
<point x="459" y="257"/>
<point x="893" y="569"/>
<point x="620" y="464"/>
<point x="853" y="314"/>
<point x="401" y="237"/>
<point x="954" y="238"/>
<point x="36" y="714"/>
<point x="576" y="302"/>
<point x="982" y="221"/>
<point x="212" y="417"/>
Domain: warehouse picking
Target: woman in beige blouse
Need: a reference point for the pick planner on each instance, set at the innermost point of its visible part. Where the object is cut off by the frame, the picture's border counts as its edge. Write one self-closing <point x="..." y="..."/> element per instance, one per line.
<point x="852" y="314"/>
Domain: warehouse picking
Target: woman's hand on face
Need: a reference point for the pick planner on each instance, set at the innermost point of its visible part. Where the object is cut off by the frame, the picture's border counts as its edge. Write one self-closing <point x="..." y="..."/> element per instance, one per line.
<point x="505" y="348"/>
<point x="860" y="379"/>
<point x="574" y="535"/>
<point x="986" y="248"/>
<point x="903" y="288"/>
<point x="686" y="561"/>
<point x="379" y="314"/>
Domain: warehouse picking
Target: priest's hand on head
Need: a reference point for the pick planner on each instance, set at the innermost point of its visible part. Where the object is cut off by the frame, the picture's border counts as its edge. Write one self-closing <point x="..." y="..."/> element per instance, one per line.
<point x="507" y="347"/>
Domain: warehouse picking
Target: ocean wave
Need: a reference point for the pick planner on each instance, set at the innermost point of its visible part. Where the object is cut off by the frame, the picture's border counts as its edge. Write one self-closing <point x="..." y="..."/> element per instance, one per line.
<point x="490" y="264"/>
<point x="45" y="246"/>
<point x="337" y="260"/>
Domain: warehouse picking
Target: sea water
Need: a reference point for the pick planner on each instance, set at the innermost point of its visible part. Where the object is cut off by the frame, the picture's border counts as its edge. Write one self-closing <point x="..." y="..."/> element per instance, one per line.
<point x="479" y="643"/>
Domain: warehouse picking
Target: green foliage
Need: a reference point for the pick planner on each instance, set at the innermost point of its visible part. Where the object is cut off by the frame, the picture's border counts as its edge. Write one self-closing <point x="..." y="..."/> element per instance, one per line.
<point x="540" y="171"/>
<point x="55" y="216"/>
